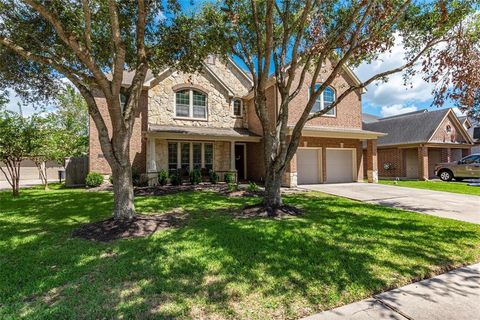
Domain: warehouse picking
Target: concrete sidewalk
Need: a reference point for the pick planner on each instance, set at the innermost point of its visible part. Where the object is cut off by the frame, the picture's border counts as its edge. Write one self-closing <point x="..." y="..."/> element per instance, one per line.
<point x="453" y="295"/>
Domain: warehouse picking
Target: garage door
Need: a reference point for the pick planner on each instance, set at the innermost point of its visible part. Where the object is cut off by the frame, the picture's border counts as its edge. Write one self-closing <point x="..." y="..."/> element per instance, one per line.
<point x="308" y="166"/>
<point x="339" y="165"/>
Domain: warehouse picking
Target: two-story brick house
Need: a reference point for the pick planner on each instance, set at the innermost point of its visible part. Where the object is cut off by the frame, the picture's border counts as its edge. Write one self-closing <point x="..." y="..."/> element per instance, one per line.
<point x="207" y="121"/>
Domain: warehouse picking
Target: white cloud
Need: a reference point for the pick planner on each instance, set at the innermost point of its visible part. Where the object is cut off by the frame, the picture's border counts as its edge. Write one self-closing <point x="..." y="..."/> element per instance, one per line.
<point x="394" y="91"/>
<point x="395" y="109"/>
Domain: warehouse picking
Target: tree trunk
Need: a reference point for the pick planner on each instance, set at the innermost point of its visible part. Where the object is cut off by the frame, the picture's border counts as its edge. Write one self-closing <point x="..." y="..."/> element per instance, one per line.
<point x="123" y="206"/>
<point x="273" y="197"/>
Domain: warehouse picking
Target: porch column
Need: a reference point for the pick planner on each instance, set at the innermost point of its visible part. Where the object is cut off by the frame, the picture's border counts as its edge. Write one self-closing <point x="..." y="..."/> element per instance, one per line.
<point x="446" y="155"/>
<point x="372" y="161"/>
<point x="151" y="163"/>
<point x="232" y="155"/>
<point x="466" y="152"/>
<point x="423" y="163"/>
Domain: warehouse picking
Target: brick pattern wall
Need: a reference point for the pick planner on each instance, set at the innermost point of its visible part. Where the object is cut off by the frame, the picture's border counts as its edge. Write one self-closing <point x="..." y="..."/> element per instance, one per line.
<point x="423" y="172"/>
<point x="97" y="161"/>
<point x="443" y="136"/>
<point x="395" y="156"/>
<point x="348" y="113"/>
<point x="324" y="143"/>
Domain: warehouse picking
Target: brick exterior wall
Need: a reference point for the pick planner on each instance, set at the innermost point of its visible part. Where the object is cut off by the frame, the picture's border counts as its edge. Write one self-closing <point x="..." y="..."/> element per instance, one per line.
<point x="324" y="143"/>
<point x="97" y="161"/>
<point x="349" y="110"/>
<point x="396" y="157"/>
<point x="442" y="136"/>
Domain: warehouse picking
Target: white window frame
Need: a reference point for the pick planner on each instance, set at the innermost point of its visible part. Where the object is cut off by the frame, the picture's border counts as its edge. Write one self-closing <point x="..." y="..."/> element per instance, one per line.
<point x="241" y="108"/>
<point x="190" y="143"/>
<point x="190" y="103"/>
<point x="322" y="102"/>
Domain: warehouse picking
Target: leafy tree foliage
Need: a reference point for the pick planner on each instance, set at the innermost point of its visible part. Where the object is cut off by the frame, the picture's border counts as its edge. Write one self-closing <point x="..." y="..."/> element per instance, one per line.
<point x="16" y="137"/>
<point x="93" y="43"/>
<point x="310" y="42"/>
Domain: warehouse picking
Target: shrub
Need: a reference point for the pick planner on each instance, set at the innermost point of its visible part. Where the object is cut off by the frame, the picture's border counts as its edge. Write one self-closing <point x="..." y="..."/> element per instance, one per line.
<point x="110" y="178"/>
<point x="213" y="177"/>
<point x="162" y="177"/>
<point x="252" y="187"/>
<point x="93" y="179"/>
<point x="136" y="178"/>
<point x="229" y="177"/>
<point x="232" y="186"/>
<point x="195" y="177"/>
<point x="175" y="178"/>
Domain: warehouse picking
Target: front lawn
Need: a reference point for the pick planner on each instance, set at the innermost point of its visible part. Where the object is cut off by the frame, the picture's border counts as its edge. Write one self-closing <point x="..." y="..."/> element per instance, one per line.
<point x="436" y="185"/>
<point x="215" y="266"/>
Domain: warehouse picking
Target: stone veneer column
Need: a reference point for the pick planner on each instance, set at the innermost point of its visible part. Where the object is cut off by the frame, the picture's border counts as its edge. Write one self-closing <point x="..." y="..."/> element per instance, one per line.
<point x="422" y="163"/>
<point x="372" y="161"/>
<point x="151" y="163"/>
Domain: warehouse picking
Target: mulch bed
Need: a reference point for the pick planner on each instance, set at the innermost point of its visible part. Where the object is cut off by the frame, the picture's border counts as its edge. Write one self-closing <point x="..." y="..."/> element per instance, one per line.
<point x="260" y="211"/>
<point x="142" y="225"/>
<point x="169" y="189"/>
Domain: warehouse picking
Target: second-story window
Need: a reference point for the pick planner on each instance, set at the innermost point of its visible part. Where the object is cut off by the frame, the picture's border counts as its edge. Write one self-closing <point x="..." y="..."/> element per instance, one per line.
<point x="190" y="104"/>
<point x="325" y="100"/>
<point x="237" y="107"/>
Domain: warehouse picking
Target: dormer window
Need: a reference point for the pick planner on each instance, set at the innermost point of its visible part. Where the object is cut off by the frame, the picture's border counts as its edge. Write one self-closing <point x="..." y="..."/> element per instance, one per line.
<point x="237" y="108"/>
<point x="325" y="100"/>
<point x="191" y="104"/>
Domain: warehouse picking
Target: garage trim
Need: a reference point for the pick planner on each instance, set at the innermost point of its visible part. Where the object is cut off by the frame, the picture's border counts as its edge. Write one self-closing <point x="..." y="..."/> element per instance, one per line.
<point x="319" y="160"/>
<point x="354" y="161"/>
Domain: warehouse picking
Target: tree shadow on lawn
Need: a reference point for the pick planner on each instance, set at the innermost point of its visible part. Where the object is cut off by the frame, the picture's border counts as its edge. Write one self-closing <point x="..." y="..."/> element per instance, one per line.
<point x="340" y="251"/>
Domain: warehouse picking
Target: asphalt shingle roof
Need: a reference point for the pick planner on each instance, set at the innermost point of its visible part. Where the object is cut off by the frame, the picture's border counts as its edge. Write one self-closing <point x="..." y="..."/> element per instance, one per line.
<point x="204" y="131"/>
<point x="415" y="127"/>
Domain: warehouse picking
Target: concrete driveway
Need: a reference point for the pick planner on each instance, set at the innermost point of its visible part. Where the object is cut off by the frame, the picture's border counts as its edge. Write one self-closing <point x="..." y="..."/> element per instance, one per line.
<point x="437" y="203"/>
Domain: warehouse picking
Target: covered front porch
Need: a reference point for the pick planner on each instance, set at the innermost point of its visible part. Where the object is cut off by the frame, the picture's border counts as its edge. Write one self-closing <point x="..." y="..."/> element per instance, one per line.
<point x="418" y="161"/>
<point x="184" y="149"/>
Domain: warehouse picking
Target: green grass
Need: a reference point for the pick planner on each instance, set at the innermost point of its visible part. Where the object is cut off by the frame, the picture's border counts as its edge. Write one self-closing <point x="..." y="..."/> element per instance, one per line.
<point x="215" y="266"/>
<point x="436" y="185"/>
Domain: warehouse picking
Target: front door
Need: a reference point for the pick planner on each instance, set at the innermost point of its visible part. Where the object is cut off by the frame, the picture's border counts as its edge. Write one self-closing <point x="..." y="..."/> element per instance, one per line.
<point x="240" y="161"/>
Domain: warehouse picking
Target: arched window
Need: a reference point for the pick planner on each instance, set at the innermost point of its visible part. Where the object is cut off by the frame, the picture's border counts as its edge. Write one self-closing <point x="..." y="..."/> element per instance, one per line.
<point x="449" y="128"/>
<point x="325" y="100"/>
<point x="191" y="103"/>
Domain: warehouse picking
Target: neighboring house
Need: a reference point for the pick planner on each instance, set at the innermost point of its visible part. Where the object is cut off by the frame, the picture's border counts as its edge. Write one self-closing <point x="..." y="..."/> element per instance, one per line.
<point x="473" y="128"/>
<point x="416" y="141"/>
<point x="207" y="121"/>
<point x="29" y="171"/>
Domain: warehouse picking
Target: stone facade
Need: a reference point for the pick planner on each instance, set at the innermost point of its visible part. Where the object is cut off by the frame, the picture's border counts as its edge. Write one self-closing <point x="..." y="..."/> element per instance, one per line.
<point x="221" y="154"/>
<point x="161" y="97"/>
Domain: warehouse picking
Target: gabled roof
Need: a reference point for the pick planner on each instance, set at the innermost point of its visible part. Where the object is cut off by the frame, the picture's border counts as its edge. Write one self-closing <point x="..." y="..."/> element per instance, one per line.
<point x="411" y="128"/>
<point x="368" y="118"/>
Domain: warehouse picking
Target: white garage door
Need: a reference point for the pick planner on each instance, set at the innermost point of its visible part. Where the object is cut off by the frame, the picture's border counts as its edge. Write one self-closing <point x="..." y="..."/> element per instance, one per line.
<point x="308" y="166"/>
<point x="339" y="165"/>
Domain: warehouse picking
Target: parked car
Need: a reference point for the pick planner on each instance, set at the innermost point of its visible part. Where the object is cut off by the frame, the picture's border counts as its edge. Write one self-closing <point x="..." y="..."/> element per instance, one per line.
<point x="468" y="167"/>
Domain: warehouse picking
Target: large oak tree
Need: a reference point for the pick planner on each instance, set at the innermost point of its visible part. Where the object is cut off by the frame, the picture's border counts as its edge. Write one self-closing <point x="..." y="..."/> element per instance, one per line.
<point x="289" y="39"/>
<point x="92" y="43"/>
